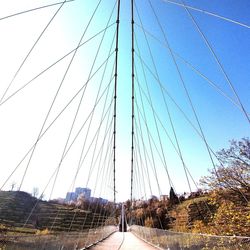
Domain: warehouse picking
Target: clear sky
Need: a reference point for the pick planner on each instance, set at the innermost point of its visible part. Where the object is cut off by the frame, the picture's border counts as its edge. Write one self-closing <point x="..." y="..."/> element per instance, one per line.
<point x="172" y="64"/>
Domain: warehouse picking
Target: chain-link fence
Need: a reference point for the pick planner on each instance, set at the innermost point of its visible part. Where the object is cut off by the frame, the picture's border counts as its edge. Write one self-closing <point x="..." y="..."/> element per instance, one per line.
<point x="62" y="241"/>
<point x="165" y="239"/>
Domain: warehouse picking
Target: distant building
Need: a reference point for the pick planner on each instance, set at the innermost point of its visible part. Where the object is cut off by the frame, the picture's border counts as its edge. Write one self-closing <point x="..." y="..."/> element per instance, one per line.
<point x="98" y="200"/>
<point x="83" y="193"/>
<point x="72" y="196"/>
<point x="86" y="192"/>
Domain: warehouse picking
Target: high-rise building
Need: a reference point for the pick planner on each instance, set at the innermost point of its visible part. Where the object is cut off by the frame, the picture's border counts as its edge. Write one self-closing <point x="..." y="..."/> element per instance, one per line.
<point x="86" y="192"/>
<point x="72" y="196"/>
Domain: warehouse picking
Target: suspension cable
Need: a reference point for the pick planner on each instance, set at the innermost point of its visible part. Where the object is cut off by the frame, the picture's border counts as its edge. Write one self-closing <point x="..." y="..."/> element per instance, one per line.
<point x="193" y="68"/>
<point x="178" y="107"/>
<point x="105" y="102"/>
<point x="217" y="61"/>
<point x="115" y="98"/>
<point x="208" y="13"/>
<point x="83" y="94"/>
<point x="151" y="102"/>
<point x="37" y="8"/>
<point x="185" y="89"/>
<point x="54" y="63"/>
<point x="153" y="165"/>
<point x="56" y="169"/>
<point x="57" y="92"/>
<point x="133" y="93"/>
<point x="54" y="120"/>
<point x="210" y="152"/>
<point x="30" y="51"/>
<point x="166" y="106"/>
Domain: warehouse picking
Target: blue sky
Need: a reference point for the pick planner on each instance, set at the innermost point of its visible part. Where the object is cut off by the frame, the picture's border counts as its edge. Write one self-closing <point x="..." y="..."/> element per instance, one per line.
<point x="24" y="114"/>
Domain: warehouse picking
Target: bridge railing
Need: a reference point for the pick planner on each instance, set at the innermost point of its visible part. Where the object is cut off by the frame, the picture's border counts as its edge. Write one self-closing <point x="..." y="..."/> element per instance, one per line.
<point x="70" y="240"/>
<point x="164" y="239"/>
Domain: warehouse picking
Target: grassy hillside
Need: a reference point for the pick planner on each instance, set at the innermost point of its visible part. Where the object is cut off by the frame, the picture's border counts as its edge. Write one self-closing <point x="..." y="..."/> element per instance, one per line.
<point x="189" y="211"/>
<point x="19" y="211"/>
<point x="220" y="212"/>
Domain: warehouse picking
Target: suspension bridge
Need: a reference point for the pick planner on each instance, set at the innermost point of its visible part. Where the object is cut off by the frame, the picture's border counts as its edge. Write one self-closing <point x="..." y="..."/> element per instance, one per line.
<point x="129" y="99"/>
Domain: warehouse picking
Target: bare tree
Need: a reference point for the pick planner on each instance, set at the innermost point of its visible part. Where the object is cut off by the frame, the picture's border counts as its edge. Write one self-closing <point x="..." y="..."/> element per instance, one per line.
<point x="234" y="173"/>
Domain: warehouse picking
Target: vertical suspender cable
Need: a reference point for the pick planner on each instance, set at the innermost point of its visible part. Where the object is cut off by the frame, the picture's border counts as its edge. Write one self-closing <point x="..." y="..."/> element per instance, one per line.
<point x="115" y="94"/>
<point x="133" y="96"/>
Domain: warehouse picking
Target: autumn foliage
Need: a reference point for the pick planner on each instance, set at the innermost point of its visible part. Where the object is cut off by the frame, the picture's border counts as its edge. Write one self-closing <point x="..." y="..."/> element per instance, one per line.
<point x="222" y="208"/>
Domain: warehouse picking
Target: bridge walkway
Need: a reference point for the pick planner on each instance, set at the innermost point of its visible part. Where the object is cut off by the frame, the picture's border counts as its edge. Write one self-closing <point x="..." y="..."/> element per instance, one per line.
<point x="123" y="241"/>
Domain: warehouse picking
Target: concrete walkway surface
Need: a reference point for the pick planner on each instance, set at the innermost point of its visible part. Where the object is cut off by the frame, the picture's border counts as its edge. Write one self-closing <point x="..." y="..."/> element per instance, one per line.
<point x="123" y="241"/>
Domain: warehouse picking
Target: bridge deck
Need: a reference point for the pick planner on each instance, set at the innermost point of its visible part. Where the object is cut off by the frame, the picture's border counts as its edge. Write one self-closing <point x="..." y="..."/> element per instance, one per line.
<point x="126" y="241"/>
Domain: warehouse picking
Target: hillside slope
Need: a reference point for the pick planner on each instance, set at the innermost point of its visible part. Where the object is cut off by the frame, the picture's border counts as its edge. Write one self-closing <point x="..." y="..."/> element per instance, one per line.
<point x="20" y="209"/>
